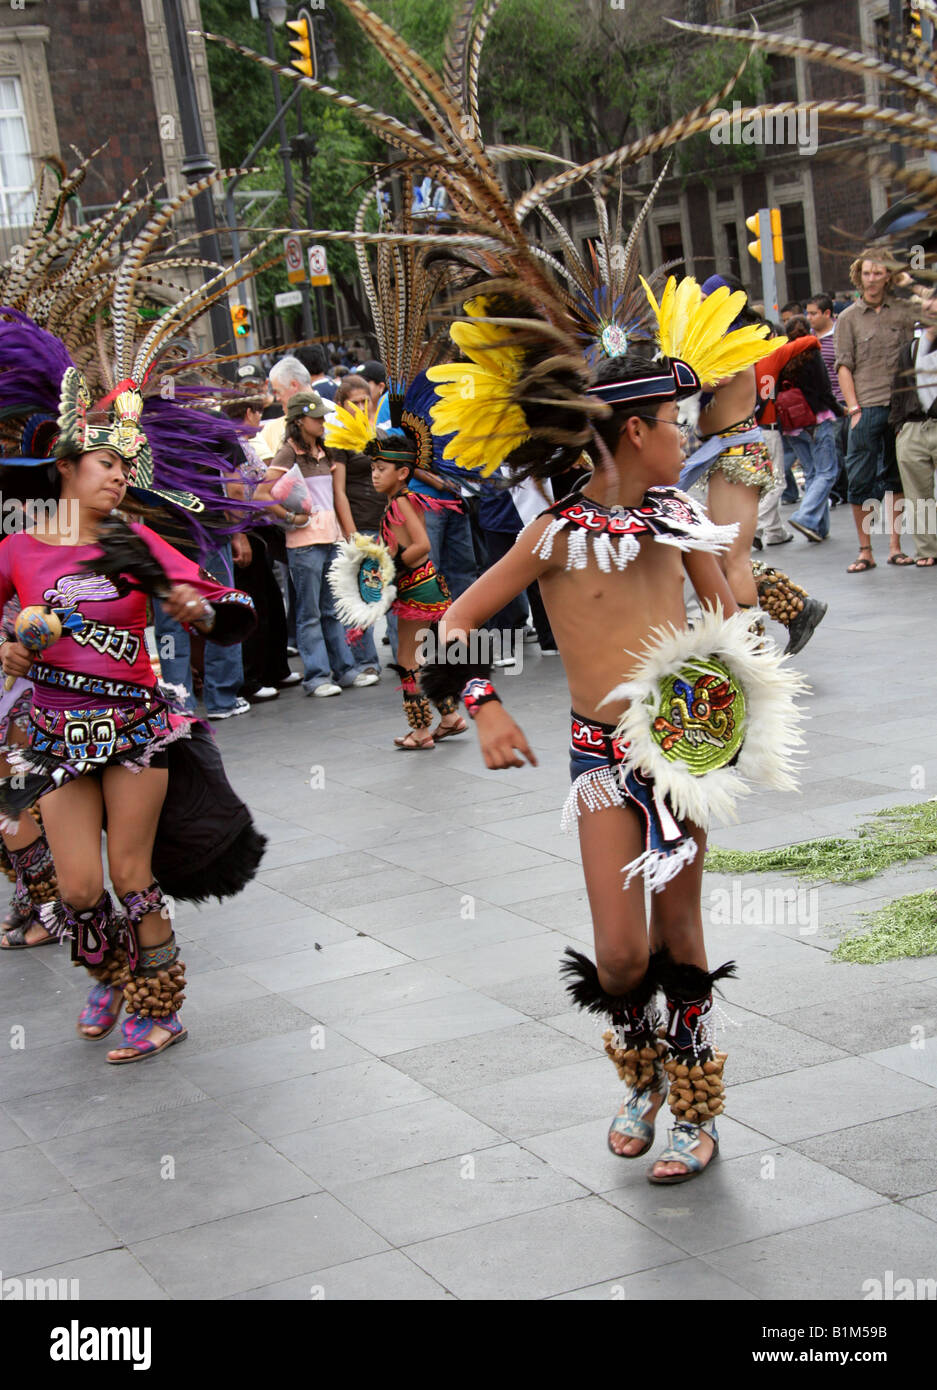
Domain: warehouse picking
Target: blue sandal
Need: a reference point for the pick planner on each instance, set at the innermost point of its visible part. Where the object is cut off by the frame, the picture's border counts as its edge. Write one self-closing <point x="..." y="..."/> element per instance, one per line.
<point x="632" y="1123"/>
<point x="135" y="1033"/>
<point x="684" y="1138"/>
<point x="101" y="1011"/>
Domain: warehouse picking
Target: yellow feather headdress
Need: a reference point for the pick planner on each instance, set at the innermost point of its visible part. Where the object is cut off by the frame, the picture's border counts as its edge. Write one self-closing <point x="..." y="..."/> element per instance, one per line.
<point x="350" y="427"/>
<point x="697" y="329"/>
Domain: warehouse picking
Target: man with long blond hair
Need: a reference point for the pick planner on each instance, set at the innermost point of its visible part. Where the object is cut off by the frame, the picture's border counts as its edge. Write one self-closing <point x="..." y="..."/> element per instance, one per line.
<point x="869" y="337"/>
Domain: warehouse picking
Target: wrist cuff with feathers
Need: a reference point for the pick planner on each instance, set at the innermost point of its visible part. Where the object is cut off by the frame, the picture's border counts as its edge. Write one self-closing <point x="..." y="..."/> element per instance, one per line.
<point x="688" y="983"/>
<point x="583" y="987"/>
<point x="450" y="675"/>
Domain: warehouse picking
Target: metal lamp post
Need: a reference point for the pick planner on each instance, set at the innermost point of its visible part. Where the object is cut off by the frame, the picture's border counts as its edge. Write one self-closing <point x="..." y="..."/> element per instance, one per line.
<point x="196" y="162"/>
<point x="274" y="14"/>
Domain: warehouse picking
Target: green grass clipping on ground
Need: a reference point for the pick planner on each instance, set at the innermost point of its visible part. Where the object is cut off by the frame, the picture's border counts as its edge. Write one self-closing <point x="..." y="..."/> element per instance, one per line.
<point x="895" y="836"/>
<point x="904" y="928"/>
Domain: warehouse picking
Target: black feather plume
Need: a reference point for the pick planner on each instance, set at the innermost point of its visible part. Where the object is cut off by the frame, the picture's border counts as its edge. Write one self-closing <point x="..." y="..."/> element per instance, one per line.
<point x="688" y="983"/>
<point x="582" y="984"/>
<point x="125" y="554"/>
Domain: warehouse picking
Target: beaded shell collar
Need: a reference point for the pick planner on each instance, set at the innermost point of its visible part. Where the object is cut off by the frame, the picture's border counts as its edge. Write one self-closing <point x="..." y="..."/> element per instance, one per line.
<point x="613" y="533"/>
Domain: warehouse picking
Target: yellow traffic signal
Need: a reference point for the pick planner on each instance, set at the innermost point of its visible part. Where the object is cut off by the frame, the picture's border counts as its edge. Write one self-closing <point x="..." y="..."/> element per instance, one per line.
<point x="303" y="42"/>
<point x="915" y="25"/>
<point x="754" y="247"/>
<point x="240" y="320"/>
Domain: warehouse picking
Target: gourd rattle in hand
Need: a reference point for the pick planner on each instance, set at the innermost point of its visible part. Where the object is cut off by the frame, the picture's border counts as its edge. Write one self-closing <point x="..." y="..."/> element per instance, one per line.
<point x="39" y="625"/>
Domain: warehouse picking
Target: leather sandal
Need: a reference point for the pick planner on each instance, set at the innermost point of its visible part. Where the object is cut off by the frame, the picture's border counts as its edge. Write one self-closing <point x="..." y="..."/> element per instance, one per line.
<point x="135" y="1032"/>
<point x="684" y="1138"/>
<point x="101" y="1011"/>
<point x="407" y="745"/>
<point x="13" y="938"/>
<point x="861" y="565"/>
<point x="439" y="733"/>
<point x="632" y="1124"/>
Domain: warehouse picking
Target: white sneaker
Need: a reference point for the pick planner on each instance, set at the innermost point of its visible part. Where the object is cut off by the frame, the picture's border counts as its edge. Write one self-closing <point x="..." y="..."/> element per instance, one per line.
<point x="327" y="689"/>
<point x="264" y="692"/>
<point x="505" y="661"/>
<point x="365" y="678"/>
<point x="292" y="679"/>
<point x="240" y="707"/>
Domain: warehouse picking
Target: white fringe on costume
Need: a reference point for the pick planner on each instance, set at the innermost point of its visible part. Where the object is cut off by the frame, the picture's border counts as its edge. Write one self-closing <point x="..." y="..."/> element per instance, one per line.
<point x="600" y="789"/>
<point x="700" y="534"/>
<point x="352" y="609"/>
<point x="772" y="736"/>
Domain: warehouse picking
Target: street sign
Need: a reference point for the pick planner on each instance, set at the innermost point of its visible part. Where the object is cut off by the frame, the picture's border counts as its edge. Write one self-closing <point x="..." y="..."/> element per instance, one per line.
<point x="293" y="250"/>
<point x="318" y="266"/>
<point x="288" y="300"/>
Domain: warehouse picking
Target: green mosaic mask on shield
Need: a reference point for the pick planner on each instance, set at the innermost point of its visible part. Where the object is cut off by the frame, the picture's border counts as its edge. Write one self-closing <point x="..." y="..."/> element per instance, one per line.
<point x="700" y="716"/>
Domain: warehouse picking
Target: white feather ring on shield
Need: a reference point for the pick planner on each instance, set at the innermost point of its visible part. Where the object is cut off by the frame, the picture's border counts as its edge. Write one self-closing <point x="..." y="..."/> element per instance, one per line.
<point x="712" y="710"/>
<point x="361" y="576"/>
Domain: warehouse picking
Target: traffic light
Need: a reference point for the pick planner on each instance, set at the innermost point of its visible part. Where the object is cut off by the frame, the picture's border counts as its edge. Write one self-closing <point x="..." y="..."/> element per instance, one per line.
<point x="240" y="320"/>
<point x="754" y="247"/>
<point x="914" y="25"/>
<point x="304" y="43"/>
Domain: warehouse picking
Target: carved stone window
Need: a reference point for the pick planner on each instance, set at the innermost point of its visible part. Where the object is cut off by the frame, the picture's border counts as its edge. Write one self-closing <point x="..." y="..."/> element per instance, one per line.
<point x="17" y="192"/>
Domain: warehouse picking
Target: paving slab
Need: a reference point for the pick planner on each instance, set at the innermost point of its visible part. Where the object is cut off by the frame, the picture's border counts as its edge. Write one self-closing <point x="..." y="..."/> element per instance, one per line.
<point x="896" y="1156"/>
<point x="541" y="1253"/>
<point x="824" y="1098"/>
<point x="111" y="1276"/>
<point x="261" y="1247"/>
<point x="846" y="1258"/>
<point x="390" y="1278"/>
<point x="757" y="1194"/>
<point x="385" y="1094"/>
<point x="188" y="1192"/>
<point x="489" y="1057"/>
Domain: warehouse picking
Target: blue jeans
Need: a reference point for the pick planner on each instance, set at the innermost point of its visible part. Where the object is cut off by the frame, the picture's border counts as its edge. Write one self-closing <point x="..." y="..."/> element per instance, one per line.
<point x="818" y="459"/>
<point x="871" y="461"/>
<point x="791" y="491"/>
<point x="320" y="635"/>
<point x="450" y="544"/>
<point x="224" y="672"/>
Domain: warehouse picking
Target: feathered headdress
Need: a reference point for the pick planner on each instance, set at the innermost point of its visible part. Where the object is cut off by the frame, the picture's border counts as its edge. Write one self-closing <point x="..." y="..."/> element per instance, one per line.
<point x="697" y="329"/>
<point x="83" y="344"/>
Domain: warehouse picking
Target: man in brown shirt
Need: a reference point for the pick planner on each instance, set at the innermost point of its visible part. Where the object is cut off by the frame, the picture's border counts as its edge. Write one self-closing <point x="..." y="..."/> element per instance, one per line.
<point x="869" y="337"/>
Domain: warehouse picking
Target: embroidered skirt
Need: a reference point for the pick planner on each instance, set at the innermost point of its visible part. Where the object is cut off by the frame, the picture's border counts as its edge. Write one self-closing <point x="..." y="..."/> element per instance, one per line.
<point x="422" y="594"/>
<point x="749" y="463"/>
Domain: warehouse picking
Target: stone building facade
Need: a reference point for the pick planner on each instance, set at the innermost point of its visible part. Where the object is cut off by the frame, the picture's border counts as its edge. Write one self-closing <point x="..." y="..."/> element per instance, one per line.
<point x="86" y="73"/>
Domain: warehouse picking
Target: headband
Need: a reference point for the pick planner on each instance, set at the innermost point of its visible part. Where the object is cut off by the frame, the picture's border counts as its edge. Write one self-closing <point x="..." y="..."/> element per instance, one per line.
<point x="669" y="383"/>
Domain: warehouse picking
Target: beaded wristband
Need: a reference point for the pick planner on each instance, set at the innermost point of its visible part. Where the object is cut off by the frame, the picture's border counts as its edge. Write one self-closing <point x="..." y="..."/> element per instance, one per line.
<point x="476" y="693"/>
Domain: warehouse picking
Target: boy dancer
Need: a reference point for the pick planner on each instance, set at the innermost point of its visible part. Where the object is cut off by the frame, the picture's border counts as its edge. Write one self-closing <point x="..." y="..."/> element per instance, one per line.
<point x="610" y="562"/>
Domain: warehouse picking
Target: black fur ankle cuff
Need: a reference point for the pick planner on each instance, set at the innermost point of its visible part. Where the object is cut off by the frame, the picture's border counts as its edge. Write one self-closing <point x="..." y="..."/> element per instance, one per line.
<point x="688" y="982"/>
<point x="582" y="984"/>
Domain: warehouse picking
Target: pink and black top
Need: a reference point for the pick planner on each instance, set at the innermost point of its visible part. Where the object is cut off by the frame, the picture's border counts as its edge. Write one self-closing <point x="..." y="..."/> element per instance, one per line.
<point x="106" y="662"/>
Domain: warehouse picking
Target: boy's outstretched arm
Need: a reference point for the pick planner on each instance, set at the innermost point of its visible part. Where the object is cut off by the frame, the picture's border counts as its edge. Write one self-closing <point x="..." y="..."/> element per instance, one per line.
<point x="501" y="740"/>
<point x="710" y="583"/>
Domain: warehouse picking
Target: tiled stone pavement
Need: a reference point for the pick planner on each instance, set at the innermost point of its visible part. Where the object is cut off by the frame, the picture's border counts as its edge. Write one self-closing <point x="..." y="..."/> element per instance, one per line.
<point x="384" y="1093"/>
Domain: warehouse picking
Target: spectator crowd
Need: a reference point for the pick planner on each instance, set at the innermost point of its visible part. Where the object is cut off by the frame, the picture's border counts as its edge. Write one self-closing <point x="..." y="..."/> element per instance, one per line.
<point x="848" y="407"/>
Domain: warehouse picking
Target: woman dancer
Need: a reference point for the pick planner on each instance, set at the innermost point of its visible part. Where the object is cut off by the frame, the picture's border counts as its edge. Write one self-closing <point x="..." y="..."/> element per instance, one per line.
<point x="96" y="738"/>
